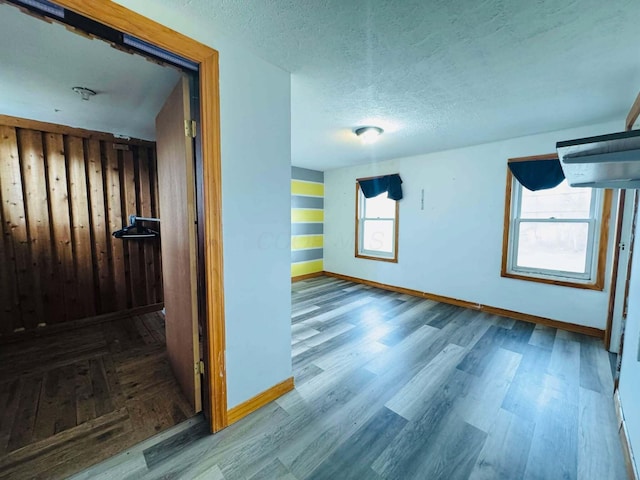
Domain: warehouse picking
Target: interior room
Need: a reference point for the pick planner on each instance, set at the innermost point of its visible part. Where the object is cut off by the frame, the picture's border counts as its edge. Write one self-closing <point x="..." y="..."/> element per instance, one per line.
<point x="86" y="350"/>
<point x="396" y="241"/>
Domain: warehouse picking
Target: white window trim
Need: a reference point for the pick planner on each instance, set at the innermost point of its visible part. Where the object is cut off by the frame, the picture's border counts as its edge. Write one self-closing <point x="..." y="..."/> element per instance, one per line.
<point x="361" y="252"/>
<point x="594" y="221"/>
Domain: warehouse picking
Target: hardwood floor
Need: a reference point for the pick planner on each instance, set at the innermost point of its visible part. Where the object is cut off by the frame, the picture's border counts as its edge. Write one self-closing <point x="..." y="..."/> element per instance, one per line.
<point x="73" y="399"/>
<point x="394" y="387"/>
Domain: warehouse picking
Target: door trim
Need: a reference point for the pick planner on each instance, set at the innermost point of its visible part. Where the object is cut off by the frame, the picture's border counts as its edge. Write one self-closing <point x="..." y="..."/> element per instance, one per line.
<point x="614" y="269"/>
<point x="132" y="23"/>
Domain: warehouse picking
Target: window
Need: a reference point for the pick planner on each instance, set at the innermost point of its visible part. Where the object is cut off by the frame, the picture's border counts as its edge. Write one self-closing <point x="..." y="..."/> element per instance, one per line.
<point x="558" y="235"/>
<point x="376" y="227"/>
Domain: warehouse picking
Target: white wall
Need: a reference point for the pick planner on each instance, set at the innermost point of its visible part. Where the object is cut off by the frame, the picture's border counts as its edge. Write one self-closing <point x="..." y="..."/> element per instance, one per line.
<point x="256" y="162"/>
<point x="454" y="246"/>
<point x="629" y="386"/>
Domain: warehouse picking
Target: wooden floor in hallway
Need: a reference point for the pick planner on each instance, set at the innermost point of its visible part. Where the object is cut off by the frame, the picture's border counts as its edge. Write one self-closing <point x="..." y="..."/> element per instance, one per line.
<point x="74" y="398"/>
<point x="395" y="387"/>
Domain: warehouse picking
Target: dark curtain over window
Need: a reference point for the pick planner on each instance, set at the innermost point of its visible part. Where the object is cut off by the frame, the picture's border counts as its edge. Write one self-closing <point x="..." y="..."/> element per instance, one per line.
<point x="392" y="184"/>
<point x="538" y="174"/>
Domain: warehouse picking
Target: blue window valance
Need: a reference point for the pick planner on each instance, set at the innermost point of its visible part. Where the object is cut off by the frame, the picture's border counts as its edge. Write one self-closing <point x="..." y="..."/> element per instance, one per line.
<point x="392" y="184"/>
<point x="539" y="174"/>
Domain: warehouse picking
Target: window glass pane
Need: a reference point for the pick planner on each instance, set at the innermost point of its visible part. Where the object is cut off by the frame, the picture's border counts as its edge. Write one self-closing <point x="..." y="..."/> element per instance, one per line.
<point x="379" y="207"/>
<point x="553" y="246"/>
<point x="559" y="202"/>
<point x="377" y="236"/>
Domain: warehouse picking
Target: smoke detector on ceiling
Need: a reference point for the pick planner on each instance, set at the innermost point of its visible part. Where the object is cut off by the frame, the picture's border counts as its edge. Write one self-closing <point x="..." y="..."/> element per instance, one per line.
<point x="85" y="93"/>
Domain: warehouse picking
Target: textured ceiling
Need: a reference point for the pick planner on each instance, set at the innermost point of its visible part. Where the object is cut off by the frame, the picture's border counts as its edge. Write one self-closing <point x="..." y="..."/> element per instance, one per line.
<point x="41" y="62"/>
<point x="436" y="74"/>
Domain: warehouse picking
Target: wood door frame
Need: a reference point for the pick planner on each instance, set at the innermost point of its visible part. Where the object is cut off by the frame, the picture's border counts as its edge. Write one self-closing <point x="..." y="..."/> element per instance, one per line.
<point x="632" y="117"/>
<point x="132" y="23"/>
<point x="614" y="269"/>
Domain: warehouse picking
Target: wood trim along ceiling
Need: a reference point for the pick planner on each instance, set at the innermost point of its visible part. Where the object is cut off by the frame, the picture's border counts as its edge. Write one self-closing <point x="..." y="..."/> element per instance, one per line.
<point x="605" y="219"/>
<point x="132" y="23"/>
<point x="525" y="317"/>
<point x="245" y="408"/>
<point x="66" y="130"/>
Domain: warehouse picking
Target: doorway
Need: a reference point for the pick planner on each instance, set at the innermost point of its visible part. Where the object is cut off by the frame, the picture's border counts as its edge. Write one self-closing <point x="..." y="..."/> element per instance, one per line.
<point x="618" y="295"/>
<point x="151" y="324"/>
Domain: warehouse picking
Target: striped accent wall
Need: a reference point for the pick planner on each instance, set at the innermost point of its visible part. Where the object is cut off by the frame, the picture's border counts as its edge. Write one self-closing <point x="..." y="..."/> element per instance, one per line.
<point x="307" y="221"/>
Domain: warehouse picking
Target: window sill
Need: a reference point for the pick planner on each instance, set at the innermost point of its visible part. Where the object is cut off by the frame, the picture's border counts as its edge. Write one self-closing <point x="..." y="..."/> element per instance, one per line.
<point x="554" y="281"/>
<point x="381" y="259"/>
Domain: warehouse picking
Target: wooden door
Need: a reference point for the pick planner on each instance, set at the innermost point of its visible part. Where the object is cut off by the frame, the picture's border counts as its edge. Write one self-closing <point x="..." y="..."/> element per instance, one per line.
<point x="176" y="188"/>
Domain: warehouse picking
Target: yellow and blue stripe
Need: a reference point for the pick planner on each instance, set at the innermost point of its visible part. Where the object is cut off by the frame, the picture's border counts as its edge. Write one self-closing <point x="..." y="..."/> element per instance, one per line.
<point x="307" y="221"/>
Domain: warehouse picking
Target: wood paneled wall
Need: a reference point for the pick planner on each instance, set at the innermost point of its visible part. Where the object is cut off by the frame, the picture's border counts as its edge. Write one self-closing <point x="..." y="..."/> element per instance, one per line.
<point x="62" y="192"/>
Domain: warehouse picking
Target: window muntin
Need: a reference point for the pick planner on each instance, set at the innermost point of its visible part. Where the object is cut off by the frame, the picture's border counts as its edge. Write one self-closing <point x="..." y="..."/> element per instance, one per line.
<point x="376" y="226"/>
<point x="554" y="235"/>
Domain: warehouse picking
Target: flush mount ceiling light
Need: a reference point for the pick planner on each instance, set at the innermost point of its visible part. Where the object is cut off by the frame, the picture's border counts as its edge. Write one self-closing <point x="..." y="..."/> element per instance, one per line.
<point x="85" y="93"/>
<point x="368" y="134"/>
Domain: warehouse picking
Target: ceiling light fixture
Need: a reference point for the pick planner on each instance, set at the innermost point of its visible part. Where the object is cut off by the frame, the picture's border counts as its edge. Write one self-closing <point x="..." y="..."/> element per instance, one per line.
<point x="85" y="93"/>
<point x="368" y="134"/>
